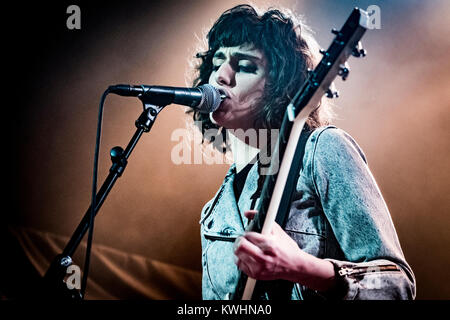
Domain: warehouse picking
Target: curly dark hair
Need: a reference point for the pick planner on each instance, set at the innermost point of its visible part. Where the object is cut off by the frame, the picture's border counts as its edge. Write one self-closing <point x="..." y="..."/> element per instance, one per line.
<point x="289" y="55"/>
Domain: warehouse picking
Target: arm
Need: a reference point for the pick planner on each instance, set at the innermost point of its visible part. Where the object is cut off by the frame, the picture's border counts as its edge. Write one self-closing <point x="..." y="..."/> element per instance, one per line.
<point x="360" y="221"/>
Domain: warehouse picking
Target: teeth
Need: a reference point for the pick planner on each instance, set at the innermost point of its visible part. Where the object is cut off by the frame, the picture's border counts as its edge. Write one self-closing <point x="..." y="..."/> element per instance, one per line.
<point x="223" y="94"/>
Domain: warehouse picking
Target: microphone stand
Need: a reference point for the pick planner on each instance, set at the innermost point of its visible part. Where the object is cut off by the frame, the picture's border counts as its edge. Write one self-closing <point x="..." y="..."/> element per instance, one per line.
<point x="54" y="285"/>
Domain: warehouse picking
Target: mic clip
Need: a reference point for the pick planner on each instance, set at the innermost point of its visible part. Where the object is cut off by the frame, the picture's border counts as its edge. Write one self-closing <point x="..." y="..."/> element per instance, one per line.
<point x="147" y="118"/>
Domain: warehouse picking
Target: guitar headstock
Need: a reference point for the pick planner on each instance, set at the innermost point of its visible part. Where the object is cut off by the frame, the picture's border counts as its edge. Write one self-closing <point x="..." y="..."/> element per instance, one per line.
<point x="346" y="43"/>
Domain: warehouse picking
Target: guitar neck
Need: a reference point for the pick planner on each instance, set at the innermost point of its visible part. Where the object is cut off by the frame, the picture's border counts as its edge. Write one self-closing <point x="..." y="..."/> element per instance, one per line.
<point x="277" y="175"/>
<point x="280" y="180"/>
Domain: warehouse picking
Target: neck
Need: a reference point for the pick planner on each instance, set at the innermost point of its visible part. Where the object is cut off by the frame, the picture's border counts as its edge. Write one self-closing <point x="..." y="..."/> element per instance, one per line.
<point x="243" y="153"/>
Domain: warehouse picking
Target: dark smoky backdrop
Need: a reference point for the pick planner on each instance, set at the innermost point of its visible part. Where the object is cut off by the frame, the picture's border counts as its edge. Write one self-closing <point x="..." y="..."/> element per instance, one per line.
<point x="395" y="103"/>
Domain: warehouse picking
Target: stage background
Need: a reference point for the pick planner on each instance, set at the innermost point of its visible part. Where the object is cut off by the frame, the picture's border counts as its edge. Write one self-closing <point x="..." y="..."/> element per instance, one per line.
<point x="146" y="241"/>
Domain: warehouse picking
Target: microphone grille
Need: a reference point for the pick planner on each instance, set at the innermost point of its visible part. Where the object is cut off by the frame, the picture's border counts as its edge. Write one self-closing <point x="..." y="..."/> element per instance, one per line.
<point x="211" y="99"/>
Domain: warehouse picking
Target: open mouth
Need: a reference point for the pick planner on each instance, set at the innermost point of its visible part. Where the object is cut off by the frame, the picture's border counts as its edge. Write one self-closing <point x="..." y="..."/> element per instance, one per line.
<point x="223" y="94"/>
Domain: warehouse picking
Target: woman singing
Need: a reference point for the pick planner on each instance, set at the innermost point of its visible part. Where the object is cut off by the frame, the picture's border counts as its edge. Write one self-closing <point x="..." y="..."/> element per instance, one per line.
<point x="339" y="241"/>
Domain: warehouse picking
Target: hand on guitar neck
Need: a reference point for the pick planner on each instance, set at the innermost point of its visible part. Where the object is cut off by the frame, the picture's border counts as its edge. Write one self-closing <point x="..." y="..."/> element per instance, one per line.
<point x="277" y="256"/>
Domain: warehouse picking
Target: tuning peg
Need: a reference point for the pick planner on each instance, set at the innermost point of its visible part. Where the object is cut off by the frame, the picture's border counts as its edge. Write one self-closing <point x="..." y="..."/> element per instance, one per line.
<point x="358" y="51"/>
<point x="332" y="94"/>
<point x="361" y="53"/>
<point x="324" y="52"/>
<point x="336" y="32"/>
<point x="344" y="71"/>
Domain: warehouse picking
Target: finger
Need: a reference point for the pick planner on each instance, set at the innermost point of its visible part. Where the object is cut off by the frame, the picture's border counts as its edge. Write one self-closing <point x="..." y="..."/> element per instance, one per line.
<point x="236" y="243"/>
<point x="253" y="268"/>
<point x="243" y="266"/>
<point x="250" y="214"/>
<point x="245" y="261"/>
<point x="255" y="238"/>
<point x="247" y="250"/>
<point x="263" y="242"/>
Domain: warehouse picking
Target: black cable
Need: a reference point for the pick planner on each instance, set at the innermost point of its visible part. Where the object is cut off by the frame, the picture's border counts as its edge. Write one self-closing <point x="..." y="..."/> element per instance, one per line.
<point x="94" y="194"/>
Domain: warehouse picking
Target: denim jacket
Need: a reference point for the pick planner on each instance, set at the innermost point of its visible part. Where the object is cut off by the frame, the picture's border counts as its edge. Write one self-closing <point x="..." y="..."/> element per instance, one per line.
<point x="337" y="213"/>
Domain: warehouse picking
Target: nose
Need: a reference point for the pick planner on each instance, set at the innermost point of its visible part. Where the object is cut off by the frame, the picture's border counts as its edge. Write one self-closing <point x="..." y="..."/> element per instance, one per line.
<point x="225" y="75"/>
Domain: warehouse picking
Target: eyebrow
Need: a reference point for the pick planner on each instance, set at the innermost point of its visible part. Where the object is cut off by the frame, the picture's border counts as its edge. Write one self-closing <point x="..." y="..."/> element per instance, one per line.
<point x="239" y="55"/>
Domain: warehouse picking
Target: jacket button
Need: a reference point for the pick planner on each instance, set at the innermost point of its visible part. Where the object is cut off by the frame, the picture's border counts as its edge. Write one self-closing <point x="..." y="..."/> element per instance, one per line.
<point x="227" y="231"/>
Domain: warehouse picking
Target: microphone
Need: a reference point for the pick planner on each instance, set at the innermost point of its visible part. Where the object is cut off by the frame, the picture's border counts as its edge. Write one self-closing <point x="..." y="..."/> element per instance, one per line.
<point x="205" y="98"/>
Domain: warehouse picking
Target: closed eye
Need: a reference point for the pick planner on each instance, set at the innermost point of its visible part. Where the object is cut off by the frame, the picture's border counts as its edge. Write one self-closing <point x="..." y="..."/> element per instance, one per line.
<point x="240" y="68"/>
<point x="248" y="69"/>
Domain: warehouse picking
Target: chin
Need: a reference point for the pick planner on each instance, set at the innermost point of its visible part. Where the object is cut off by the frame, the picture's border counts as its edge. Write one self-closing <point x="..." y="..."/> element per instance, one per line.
<point x="220" y="118"/>
<point x="228" y="120"/>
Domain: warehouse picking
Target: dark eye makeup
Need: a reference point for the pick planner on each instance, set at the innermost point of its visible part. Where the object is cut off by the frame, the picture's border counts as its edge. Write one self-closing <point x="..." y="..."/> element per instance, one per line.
<point x="250" y="68"/>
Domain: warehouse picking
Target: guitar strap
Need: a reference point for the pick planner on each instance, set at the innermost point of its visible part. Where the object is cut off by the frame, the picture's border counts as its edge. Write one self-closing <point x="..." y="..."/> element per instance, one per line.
<point x="294" y="174"/>
<point x="282" y="289"/>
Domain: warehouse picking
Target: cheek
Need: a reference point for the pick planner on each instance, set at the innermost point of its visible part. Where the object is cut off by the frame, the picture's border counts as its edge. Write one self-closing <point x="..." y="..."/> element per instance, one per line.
<point x="252" y="91"/>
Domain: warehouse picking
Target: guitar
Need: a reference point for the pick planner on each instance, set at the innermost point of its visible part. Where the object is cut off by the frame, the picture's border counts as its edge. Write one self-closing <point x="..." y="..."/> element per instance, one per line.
<point x="279" y="184"/>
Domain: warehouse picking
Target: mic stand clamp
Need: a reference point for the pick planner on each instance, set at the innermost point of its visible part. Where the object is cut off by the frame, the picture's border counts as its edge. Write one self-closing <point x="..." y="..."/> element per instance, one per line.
<point x="53" y="282"/>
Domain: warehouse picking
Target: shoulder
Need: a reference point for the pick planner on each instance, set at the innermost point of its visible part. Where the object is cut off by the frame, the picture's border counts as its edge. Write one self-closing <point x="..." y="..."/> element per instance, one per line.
<point x="331" y="143"/>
